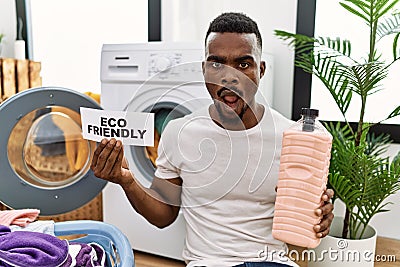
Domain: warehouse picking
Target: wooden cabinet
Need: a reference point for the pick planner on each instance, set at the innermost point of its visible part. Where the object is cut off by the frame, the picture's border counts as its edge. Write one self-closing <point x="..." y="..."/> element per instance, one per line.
<point x="18" y="75"/>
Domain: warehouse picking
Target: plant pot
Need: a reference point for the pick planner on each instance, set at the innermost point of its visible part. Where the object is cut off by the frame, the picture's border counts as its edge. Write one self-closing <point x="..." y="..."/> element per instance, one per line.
<point x="334" y="251"/>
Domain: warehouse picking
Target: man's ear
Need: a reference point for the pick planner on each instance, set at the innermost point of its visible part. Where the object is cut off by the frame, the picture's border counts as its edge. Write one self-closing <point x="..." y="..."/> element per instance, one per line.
<point x="262" y="69"/>
<point x="203" y="66"/>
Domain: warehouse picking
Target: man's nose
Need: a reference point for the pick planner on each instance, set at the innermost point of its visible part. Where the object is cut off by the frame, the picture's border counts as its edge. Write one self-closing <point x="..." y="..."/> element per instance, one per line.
<point x="230" y="77"/>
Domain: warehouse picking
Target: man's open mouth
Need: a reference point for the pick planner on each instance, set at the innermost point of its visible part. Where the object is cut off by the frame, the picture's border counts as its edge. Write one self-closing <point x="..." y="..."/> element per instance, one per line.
<point x="229" y="97"/>
<point x="231" y="100"/>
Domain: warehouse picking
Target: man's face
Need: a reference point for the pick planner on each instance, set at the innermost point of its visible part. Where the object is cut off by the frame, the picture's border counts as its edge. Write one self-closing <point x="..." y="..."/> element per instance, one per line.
<point x="232" y="72"/>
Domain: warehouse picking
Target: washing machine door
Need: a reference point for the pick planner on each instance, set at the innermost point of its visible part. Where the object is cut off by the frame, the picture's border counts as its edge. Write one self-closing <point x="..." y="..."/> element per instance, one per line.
<point x="167" y="105"/>
<point x="142" y="160"/>
<point x="45" y="162"/>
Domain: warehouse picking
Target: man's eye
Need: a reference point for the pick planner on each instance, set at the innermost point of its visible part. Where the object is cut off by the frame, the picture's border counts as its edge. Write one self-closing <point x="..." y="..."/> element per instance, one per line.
<point x="244" y="65"/>
<point x="216" y="65"/>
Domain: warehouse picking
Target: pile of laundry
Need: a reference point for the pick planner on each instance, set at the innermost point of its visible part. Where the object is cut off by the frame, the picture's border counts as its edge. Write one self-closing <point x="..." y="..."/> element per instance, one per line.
<point x="26" y="242"/>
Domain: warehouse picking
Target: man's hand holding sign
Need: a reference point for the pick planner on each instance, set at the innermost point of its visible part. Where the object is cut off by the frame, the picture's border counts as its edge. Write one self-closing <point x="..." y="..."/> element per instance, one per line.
<point x="132" y="128"/>
<point x="113" y="129"/>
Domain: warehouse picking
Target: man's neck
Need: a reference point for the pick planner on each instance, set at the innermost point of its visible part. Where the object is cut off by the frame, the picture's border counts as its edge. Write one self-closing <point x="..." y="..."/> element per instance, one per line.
<point x="250" y="118"/>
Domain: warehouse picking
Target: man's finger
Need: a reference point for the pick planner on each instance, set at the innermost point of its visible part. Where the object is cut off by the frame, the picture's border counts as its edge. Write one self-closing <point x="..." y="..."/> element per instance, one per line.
<point x="323" y="233"/>
<point x="111" y="157"/>
<point x="97" y="152"/>
<point x="323" y="226"/>
<point x="118" y="162"/>
<point x="327" y="195"/>
<point x="103" y="157"/>
<point x="325" y="209"/>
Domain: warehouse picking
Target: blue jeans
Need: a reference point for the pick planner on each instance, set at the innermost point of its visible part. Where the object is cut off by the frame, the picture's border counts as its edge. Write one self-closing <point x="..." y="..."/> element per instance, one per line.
<point x="261" y="264"/>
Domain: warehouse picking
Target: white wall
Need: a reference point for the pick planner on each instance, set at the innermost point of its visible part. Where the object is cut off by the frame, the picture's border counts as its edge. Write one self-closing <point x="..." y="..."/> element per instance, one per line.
<point x="68" y="36"/>
<point x="8" y="27"/>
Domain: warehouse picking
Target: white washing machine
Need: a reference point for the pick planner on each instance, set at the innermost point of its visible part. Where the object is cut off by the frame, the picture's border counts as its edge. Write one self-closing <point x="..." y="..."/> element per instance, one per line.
<point x="164" y="78"/>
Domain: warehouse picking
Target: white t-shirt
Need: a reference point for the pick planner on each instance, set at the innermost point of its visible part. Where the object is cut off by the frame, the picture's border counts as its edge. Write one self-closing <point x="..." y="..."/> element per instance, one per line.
<point x="228" y="190"/>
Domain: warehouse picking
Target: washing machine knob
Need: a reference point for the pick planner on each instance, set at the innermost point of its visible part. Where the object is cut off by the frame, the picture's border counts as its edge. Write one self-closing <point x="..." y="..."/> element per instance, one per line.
<point x="163" y="63"/>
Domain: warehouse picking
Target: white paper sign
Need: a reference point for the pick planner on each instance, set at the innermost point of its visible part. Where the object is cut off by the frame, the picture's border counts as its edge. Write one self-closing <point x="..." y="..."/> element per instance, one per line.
<point x="132" y="128"/>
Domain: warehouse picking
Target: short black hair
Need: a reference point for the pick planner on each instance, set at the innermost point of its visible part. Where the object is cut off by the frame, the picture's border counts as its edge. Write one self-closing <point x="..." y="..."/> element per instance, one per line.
<point x="234" y="22"/>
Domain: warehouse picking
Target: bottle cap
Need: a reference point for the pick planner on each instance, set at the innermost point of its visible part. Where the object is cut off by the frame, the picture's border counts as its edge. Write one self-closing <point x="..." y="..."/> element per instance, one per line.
<point x="309" y="112"/>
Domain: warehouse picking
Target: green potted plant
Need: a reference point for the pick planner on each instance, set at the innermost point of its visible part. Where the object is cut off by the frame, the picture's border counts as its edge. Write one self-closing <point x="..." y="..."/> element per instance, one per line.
<point x="359" y="174"/>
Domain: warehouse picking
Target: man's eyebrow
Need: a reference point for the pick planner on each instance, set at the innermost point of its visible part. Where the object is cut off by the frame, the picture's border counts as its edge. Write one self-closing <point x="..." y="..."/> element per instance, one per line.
<point x="247" y="57"/>
<point x="216" y="58"/>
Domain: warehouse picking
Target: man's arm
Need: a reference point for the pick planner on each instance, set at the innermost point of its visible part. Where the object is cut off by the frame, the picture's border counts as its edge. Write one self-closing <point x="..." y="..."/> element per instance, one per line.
<point x="159" y="204"/>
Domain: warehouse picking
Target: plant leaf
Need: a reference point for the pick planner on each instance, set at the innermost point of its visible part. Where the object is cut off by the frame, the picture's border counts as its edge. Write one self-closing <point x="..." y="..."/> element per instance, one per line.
<point x="326" y="69"/>
<point x="380" y="12"/>
<point x="343" y="47"/>
<point x="388" y="25"/>
<point x="344" y="189"/>
<point x="395" y="165"/>
<point x="366" y="78"/>
<point x="395" y="49"/>
<point x="361" y="180"/>
<point x="355" y="12"/>
<point x="377" y="145"/>
<point x="394" y="113"/>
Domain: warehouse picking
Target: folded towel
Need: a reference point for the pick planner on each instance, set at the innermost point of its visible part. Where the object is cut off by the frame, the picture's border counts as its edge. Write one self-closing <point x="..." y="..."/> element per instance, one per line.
<point x="20" y="217"/>
<point x="22" y="249"/>
<point x="45" y="227"/>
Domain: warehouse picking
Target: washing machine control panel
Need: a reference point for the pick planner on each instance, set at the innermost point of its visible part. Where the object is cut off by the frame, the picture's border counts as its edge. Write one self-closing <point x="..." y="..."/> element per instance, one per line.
<point x="174" y="66"/>
<point x="151" y="62"/>
<point x="162" y="62"/>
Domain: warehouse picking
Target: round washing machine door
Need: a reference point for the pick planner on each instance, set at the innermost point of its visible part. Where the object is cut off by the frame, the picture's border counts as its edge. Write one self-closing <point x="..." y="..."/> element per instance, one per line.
<point x="45" y="162"/>
<point x="166" y="104"/>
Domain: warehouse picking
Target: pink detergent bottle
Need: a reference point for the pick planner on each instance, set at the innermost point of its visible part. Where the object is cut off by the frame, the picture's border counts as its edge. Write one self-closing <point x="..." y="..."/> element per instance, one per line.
<point x="303" y="175"/>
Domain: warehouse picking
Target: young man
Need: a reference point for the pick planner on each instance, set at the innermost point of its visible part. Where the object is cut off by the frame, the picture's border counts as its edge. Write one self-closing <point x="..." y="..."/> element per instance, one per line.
<point x="221" y="163"/>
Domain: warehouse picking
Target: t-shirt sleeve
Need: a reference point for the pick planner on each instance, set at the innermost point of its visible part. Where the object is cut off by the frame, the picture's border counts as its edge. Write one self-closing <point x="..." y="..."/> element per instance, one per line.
<point x="166" y="167"/>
